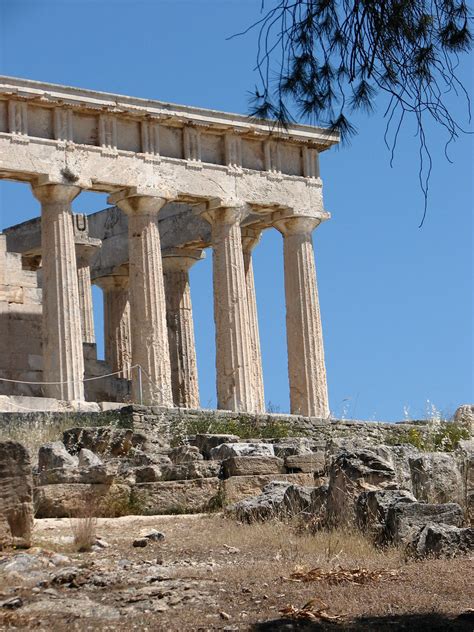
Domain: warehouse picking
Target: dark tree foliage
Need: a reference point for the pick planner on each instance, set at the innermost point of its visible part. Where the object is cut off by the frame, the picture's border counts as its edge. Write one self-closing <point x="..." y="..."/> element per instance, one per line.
<point x="326" y="59"/>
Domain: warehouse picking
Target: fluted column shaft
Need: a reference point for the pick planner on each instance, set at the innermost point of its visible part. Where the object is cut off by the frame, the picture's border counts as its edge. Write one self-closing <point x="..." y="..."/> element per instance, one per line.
<point x="84" y="255"/>
<point x="250" y="238"/>
<point x="62" y="338"/>
<point x="179" y="317"/>
<point x="233" y="358"/>
<point x="117" y="333"/>
<point x="150" y="348"/>
<point x="306" y="367"/>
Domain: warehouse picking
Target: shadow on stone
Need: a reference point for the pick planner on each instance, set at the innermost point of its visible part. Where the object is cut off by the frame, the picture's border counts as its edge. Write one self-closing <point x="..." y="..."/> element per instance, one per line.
<point x="424" y="622"/>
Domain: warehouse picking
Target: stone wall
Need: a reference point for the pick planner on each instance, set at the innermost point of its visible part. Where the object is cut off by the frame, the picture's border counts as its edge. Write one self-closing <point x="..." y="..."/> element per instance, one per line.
<point x="21" y="337"/>
<point x="176" y="423"/>
<point x="20" y="325"/>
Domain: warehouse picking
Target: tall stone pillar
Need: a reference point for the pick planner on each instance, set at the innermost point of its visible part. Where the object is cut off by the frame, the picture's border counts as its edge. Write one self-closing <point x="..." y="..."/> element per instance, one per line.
<point x="150" y="348"/>
<point x="117" y="333"/>
<point x="306" y="367"/>
<point x="62" y="338"/>
<point x="179" y="317"/>
<point x="84" y="254"/>
<point x="250" y="238"/>
<point x="233" y="358"/>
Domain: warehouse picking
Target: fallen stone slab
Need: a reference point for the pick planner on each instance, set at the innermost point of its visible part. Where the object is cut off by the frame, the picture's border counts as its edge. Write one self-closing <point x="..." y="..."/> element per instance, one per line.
<point x="206" y="442"/>
<point x="297" y="499"/>
<point x="437" y="478"/>
<point x="441" y="540"/>
<point x="176" y="497"/>
<point x="228" y="450"/>
<point x="185" y="454"/>
<point x="76" y="500"/>
<point x="249" y="465"/>
<point x="52" y="456"/>
<point x="190" y="470"/>
<point x="350" y="473"/>
<point x="372" y="509"/>
<point x="16" y="495"/>
<point x="265" y="506"/>
<point x="237" y="488"/>
<point x="296" y="446"/>
<point x="405" y="519"/>
<point x="309" y="462"/>
<point x="104" y="440"/>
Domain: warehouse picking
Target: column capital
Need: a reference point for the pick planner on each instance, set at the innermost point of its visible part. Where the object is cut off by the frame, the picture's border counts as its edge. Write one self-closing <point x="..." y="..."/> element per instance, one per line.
<point x="250" y="237"/>
<point x="180" y="259"/>
<point x="55" y="193"/>
<point x="85" y="251"/>
<point x="112" y="282"/>
<point x="136" y="201"/>
<point x="224" y="214"/>
<point x="298" y="224"/>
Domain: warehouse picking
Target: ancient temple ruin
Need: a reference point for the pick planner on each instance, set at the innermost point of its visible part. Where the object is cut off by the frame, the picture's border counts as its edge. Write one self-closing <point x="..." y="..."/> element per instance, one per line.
<point x="180" y="180"/>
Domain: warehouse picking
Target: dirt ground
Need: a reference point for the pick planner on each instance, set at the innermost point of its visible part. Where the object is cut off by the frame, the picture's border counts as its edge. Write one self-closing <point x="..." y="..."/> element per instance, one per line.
<point x="210" y="573"/>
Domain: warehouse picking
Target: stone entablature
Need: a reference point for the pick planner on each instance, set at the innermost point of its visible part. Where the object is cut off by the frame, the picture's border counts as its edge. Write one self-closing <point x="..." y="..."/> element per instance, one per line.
<point x="102" y="141"/>
<point x="199" y="178"/>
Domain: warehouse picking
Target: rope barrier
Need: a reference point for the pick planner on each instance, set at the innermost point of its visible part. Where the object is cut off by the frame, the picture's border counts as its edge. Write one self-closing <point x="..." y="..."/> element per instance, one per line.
<point x="86" y="379"/>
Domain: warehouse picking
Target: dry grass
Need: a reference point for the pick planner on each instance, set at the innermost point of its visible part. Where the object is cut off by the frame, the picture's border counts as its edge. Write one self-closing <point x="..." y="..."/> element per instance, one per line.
<point x="84" y="529"/>
<point x="247" y="571"/>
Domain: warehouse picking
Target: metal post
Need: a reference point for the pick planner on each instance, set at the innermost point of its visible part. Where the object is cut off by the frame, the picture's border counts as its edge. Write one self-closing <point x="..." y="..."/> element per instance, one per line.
<point x="140" y="387"/>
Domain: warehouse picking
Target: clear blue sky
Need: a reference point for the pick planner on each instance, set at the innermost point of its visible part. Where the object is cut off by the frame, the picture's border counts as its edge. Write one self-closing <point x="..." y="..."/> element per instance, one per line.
<point x="397" y="301"/>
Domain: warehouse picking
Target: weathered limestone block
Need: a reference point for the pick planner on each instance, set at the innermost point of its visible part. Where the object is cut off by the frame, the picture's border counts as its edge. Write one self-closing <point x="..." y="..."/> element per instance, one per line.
<point x="294" y="446"/>
<point x="205" y="442"/>
<point x="228" y="450"/>
<point x="372" y="509"/>
<point x="312" y="462"/>
<point x="76" y="500"/>
<point x="185" y="454"/>
<point x="87" y="458"/>
<point x="465" y="415"/>
<point x="440" y="540"/>
<point x="351" y="473"/>
<point x="170" y="497"/>
<point x="297" y="499"/>
<point x="52" y="456"/>
<point x="465" y="458"/>
<point x="148" y="474"/>
<point x="104" y="440"/>
<point x="437" y="478"/>
<point x="190" y="470"/>
<point x="237" y="488"/>
<point x="248" y="465"/>
<point x="16" y="495"/>
<point x="265" y="506"/>
<point x="404" y="520"/>
<point x="400" y="457"/>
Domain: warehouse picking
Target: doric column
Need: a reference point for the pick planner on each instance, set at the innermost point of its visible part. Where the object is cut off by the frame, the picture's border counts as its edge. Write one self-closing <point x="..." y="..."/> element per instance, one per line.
<point x="150" y="348"/>
<point x="117" y="333"/>
<point x="179" y="317"/>
<point x="62" y="339"/>
<point x="84" y="254"/>
<point x="306" y="367"/>
<point x="250" y="238"/>
<point x="233" y="359"/>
